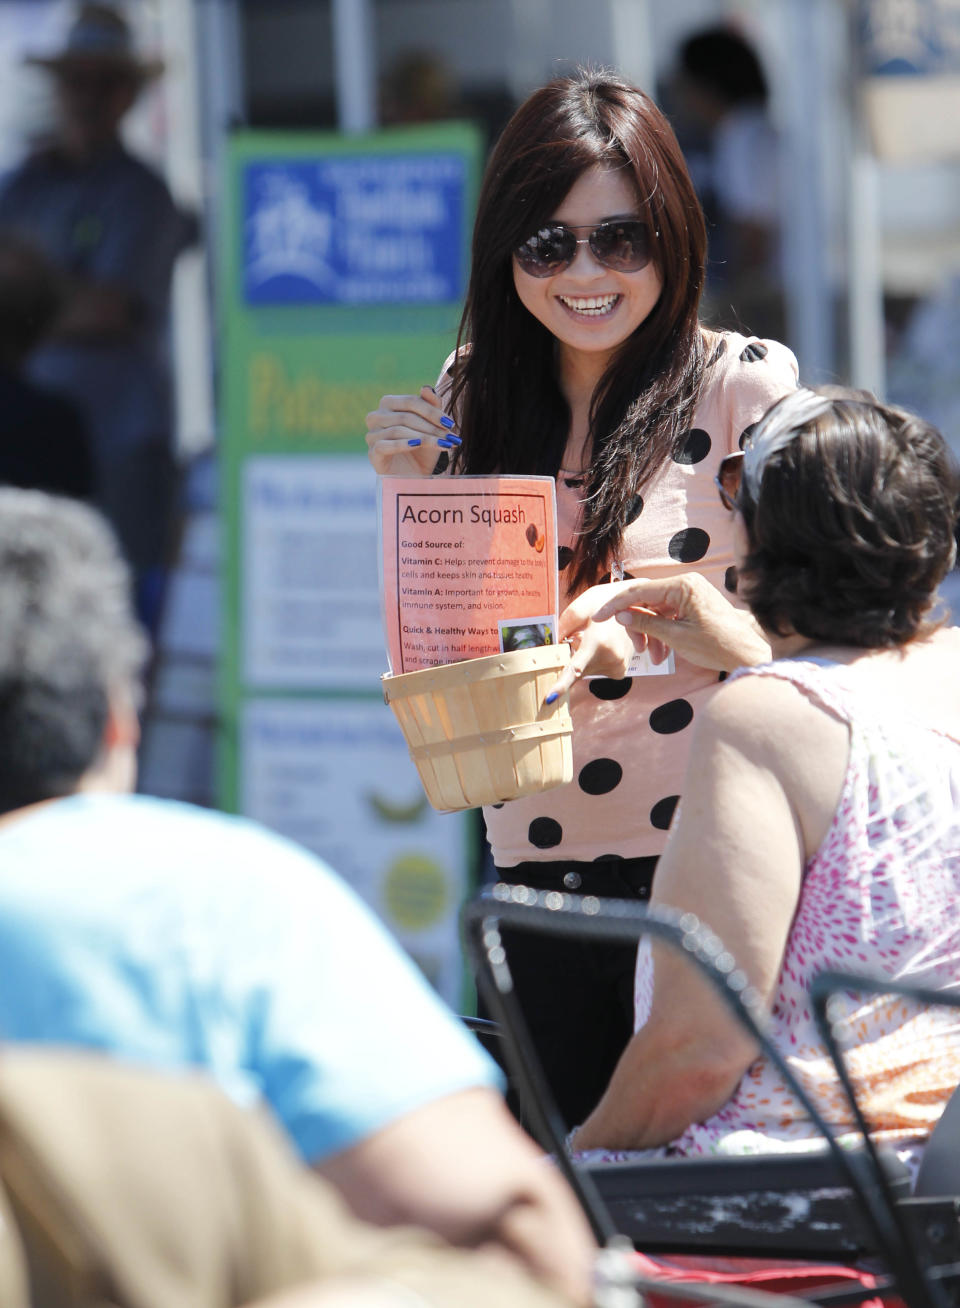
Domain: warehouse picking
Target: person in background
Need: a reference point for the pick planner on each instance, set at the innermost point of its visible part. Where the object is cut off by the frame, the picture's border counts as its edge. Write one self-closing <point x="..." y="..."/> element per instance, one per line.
<point x="418" y="87"/>
<point x="819" y="828"/>
<point x="44" y="443"/>
<point x="582" y="356"/>
<point x="720" y="86"/>
<point x="108" y="224"/>
<point x="176" y="937"/>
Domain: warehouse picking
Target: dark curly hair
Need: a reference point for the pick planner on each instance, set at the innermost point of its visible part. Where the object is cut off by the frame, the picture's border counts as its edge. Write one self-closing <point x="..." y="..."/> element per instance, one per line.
<point x="513" y="417"/>
<point x="851" y="519"/>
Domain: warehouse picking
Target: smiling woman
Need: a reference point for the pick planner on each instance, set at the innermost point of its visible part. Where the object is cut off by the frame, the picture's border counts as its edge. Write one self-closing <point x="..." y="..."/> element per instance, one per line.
<point x="581" y="356"/>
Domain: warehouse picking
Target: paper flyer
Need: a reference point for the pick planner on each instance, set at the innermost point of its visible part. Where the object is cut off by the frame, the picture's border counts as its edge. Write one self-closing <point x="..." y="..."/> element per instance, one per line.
<point x="469" y="567"/>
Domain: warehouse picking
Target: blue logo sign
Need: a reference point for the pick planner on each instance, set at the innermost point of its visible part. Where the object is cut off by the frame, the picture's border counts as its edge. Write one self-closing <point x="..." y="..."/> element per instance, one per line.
<point x="910" y="37"/>
<point x="354" y="230"/>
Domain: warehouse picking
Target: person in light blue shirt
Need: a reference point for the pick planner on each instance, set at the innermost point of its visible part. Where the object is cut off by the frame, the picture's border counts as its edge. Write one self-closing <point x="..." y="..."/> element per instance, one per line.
<point x="173" y="936"/>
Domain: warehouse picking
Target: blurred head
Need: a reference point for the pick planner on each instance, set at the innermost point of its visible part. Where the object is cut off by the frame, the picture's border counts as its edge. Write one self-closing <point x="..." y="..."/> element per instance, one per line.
<point x="589" y="123"/>
<point x="848" y="509"/>
<point x="71" y="652"/>
<point x="720" y="70"/>
<point x="418" y="87"/>
<point x="98" y="76"/>
<point x="31" y="293"/>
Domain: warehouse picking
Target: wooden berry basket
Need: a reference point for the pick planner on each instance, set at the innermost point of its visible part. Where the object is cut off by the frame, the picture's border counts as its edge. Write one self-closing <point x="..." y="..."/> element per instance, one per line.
<point x="479" y="731"/>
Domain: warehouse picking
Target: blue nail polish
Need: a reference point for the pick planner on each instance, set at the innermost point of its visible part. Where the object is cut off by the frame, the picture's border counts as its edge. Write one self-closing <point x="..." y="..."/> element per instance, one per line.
<point x="552" y="697"/>
<point x="447" y="421"/>
<point x="416" y="441"/>
<point x="446" y="445"/>
<point x="454" y="440"/>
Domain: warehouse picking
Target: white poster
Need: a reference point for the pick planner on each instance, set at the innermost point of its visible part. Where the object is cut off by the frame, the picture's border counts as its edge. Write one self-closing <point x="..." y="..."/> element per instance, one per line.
<point x="335" y="776"/>
<point x="310" y="589"/>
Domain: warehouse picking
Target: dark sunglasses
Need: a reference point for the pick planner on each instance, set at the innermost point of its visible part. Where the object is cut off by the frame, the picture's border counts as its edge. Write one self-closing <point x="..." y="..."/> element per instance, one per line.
<point x="622" y="246"/>
<point x="728" y="480"/>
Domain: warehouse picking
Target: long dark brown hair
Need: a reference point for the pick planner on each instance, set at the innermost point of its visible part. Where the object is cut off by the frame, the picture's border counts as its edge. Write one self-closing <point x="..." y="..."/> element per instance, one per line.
<point x="513" y="416"/>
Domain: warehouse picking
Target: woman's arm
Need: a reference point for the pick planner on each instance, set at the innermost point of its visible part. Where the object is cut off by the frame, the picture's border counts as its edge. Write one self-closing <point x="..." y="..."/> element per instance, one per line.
<point x="735" y="859"/>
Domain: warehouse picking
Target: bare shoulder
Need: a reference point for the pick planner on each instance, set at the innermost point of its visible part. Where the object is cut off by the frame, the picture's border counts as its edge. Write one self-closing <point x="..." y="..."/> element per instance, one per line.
<point x="762" y="712"/>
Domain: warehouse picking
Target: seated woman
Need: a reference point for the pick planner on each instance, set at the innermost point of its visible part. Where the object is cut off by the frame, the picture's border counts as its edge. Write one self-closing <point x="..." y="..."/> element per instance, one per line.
<point x="820" y="824"/>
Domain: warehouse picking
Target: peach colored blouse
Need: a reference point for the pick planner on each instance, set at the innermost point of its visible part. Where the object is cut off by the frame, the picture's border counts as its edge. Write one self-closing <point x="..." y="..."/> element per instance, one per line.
<point x="630" y="737"/>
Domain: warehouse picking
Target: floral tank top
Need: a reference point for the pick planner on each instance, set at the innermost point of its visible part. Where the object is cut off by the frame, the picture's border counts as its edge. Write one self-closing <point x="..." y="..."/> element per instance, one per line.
<point x="882" y="896"/>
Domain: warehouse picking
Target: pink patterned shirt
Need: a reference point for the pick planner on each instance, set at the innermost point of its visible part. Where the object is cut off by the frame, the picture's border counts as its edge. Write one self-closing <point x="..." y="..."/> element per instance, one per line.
<point x="882" y="896"/>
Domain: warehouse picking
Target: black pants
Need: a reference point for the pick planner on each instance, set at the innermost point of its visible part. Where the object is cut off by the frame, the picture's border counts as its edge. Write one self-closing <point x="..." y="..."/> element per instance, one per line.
<point x="576" y="998"/>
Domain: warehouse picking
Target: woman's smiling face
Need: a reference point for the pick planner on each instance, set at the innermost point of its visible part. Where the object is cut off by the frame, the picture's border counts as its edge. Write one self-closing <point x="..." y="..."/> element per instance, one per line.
<point x="588" y="307"/>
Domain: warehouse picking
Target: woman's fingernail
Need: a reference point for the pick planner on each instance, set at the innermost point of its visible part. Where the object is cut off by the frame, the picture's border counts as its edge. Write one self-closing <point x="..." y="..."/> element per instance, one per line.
<point x="454" y="440"/>
<point x="447" y="445"/>
<point x="447" y="421"/>
<point x="552" y="697"/>
<point x="415" y="441"/>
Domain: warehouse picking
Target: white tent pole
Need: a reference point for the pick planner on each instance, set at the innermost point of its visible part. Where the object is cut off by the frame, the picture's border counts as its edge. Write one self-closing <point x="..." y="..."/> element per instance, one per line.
<point x="865" y="318"/>
<point x="632" y="41"/>
<point x="865" y="274"/>
<point x="806" y="235"/>
<point x="355" y="65"/>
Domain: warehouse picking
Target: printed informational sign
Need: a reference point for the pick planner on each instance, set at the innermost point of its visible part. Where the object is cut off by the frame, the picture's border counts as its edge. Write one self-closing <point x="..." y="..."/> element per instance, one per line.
<point x="345" y="269"/>
<point x="310" y="598"/>
<point x="910" y="56"/>
<point x="335" y="776"/>
<point x="469" y="567"/>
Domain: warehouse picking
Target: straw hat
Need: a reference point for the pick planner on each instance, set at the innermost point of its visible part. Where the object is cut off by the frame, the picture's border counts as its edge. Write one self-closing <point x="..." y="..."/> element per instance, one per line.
<point x="99" y="37"/>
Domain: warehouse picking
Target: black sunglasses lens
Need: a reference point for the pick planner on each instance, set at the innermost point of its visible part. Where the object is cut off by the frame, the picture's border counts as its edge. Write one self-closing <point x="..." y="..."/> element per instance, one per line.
<point x="728" y="480"/>
<point x="547" y="250"/>
<point x="624" y="247"/>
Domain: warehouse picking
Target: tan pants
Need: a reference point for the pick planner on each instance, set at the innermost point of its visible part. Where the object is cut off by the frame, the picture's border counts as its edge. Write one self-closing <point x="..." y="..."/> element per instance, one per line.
<point x="144" y="1190"/>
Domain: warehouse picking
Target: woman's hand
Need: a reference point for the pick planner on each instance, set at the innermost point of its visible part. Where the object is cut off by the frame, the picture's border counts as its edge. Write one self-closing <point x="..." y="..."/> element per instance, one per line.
<point x="407" y="433"/>
<point x="683" y="613"/>
<point x="598" y="649"/>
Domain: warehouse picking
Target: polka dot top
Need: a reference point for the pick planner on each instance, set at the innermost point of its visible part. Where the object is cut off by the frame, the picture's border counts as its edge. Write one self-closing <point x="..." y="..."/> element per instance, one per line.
<point x="881" y="896"/>
<point x="630" y="737"/>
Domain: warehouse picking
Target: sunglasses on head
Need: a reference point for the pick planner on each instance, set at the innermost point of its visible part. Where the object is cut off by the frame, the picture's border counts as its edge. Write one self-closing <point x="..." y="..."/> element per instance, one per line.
<point x="728" y="480"/>
<point x="623" y="246"/>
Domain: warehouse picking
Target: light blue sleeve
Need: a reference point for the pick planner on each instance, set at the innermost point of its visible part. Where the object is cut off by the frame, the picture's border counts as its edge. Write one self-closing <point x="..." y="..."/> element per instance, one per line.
<point x="350" y="1036"/>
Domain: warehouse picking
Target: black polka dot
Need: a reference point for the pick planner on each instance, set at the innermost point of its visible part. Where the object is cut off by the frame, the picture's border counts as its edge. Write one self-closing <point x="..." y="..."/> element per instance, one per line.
<point x="747" y="432"/>
<point x="662" y="812"/>
<point x="730" y="580"/>
<point x="688" y="545"/>
<point x="718" y="353"/>
<point x="609" y="858"/>
<point x="723" y="676"/>
<point x="544" y="833"/>
<point x="564" y="555"/>
<point x="634" y="511"/>
<point x="671" y="717"/>
<point x="695" y="447"/>
<point x="754" y="352"/>
<point x="608" y="688"/>
<point x="500" y="805"/>
<point x="600" y="777"/>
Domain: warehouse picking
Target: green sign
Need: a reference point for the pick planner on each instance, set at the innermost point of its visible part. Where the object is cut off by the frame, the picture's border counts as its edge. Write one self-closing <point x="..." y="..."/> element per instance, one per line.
<point x="345" y="265"/>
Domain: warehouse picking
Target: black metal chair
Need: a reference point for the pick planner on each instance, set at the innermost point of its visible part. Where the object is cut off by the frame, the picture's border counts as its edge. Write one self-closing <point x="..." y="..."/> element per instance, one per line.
<point x="853" y="1207"/>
